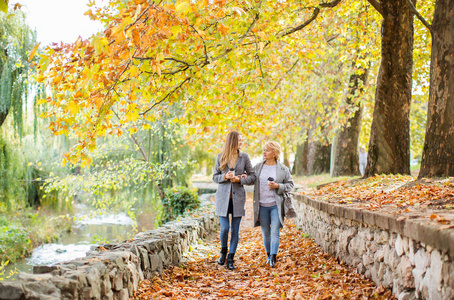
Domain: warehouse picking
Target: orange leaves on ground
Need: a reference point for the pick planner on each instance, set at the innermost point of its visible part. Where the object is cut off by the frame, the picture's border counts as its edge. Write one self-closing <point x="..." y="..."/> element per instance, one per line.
<point x="395" y="190"/>
<point x="432" y="200"/>
<point x="303" y="271"/>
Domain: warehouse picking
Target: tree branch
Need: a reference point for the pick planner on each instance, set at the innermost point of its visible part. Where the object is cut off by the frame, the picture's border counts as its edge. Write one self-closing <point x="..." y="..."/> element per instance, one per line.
<point x="312" y="18"/>
<point x="288" y="71"/>
<point x="421" y="18"/>
<point x="167" y="96"/>
<point x="204" y="46"/>
<point x="227" y="51"/>
<point x="333" y="3"/>
<point x="301" y="26"/>
<point x="376" y="5"/>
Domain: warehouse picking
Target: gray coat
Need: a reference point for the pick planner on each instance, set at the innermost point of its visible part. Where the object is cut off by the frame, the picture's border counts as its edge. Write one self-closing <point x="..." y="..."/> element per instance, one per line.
<point x="285" y="180"/>
<point x="243" y="165"/>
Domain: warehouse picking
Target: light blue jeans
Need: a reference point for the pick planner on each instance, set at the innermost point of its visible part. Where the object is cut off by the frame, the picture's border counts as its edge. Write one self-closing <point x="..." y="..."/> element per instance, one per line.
<point x="271" y="226"/>
<point x="234" y="225"/>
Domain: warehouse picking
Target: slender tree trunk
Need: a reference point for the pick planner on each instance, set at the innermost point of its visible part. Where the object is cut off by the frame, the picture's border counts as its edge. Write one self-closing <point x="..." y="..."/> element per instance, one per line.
<point x="389" y="146"/>
<point x="345" y="148"/>
<point x="438" y="152"/>
<point x="318" y="158"/>
<point x="286" y="160"/>
<point x="300" y="163"/>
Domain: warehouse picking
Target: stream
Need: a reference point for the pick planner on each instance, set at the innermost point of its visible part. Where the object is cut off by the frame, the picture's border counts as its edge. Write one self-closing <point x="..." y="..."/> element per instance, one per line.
<point x="87" y="231"/>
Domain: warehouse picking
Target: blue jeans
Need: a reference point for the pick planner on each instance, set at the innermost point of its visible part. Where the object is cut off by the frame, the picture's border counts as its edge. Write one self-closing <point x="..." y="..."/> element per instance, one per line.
<point x="234" y="237"/>
<point x="271" y="226"/>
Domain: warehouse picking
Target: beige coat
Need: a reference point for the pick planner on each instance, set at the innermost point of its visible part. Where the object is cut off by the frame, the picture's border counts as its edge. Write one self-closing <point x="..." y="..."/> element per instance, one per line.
<point x="285" y="181"/>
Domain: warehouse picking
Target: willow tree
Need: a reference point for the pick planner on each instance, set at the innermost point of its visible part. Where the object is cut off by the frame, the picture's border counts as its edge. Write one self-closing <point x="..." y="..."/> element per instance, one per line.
<point x="16" y="42"/>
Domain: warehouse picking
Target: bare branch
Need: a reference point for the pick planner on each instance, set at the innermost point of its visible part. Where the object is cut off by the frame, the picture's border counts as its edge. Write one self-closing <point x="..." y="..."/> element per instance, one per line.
<point x="330" y="4"/>
<point x="204" y="45"/>
<point x="421" y="18"/>
<point x="227" y="51"/>
<point x="167" y="96"/>
<point x="301" y="26"/>
<point x="312" y="18"/>
<point x="142" y="151"/>
<point x="376" y="5"/>
<point x="288" y="71"/>
<point x="138" y="17"/>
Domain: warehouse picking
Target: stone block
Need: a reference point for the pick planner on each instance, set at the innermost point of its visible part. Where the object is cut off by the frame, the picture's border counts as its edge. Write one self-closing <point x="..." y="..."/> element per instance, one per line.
<point x="386" y="254"/>
<point x="156" y="263"/>
<point x="393" y="259"/>
<point x="403" y="296"/>
<point x="405" y="270"/>
<point x="422" y="260"/>
<point x="398" y="246"/>
<point x="109" y="295"/>
<point x="117" y="283"/>
<point x="41" y="289"/>
<point x="379" y="256"/>
<point x="360" y="268"/>
<point x="381" y="271"/>
<point x="411" y="251"/>
<point x="122" y="295"/>
<point x="367" y="260"/>
<point x="373" y="247"/>
<point x="46" y="269"/>
<point x="383" y="221"/>
<point x="388" y="278"/>
<point x="434" y="275"/>
<point x="11" y="290"/>
<point x="381" y="236"/>
<point x="106" y="285"/>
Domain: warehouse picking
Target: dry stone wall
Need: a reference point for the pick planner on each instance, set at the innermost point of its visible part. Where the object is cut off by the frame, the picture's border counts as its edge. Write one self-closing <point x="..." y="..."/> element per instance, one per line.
<point x="114" y="270"/>
<point x="411" y="257"/>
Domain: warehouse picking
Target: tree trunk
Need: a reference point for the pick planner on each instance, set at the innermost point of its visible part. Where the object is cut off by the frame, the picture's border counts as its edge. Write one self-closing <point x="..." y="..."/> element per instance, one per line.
<point x="286" y="160"/>
<point x="318" y="158"/>
<point x="300" y="163"/>
<point x="438" y="151"/>
<point x="389" y="146"/>
<point x="345" y="148"/>
<point x="3" y="116"/>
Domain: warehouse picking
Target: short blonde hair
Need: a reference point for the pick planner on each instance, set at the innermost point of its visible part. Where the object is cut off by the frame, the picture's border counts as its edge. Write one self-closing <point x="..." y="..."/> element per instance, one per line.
<point x="274" y="147"/>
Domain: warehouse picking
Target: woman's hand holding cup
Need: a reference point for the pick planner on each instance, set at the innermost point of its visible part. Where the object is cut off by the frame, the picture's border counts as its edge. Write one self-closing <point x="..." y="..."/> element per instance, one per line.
<point x="272" y="184"/>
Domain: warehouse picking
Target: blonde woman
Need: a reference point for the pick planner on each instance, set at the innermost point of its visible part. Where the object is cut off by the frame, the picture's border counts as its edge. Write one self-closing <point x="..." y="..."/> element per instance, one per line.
<point x="232" y="170"/>
<point x="272" y="180"/>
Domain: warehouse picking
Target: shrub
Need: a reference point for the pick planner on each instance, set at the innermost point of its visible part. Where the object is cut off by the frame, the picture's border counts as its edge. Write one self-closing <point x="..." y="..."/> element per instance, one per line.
<point x="179" y="200"/>
<point x="15" y="242"/>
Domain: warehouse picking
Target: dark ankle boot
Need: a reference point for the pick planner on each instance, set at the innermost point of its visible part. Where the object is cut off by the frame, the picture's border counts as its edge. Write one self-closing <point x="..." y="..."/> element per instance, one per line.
<point x="267" y="258"/>
<point x="221" y="260"/>
<point x="272" y="260"/>
<point x="230" y="265"/>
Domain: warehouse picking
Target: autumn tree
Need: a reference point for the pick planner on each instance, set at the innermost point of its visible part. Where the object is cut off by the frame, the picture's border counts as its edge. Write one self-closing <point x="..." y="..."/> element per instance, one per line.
<point x="151" y="55"/>
<point x="389" y="146"/>
<point x="345" y="146"/>
<point x="438" y="152"/>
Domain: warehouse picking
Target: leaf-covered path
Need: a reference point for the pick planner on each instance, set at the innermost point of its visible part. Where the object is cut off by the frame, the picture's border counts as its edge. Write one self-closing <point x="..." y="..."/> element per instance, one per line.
<point x="303" y="271"/>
